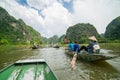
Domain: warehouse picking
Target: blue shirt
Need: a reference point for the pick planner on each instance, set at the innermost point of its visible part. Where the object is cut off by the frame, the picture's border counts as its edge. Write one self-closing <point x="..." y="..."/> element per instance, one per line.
<point x="76" y="47"/>
<point x="71" y="46"/>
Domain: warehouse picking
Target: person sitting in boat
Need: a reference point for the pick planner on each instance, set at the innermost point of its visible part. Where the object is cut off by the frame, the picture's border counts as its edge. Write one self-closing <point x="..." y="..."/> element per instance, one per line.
<point x="93" y="46"/>
<point x="56" y="45"/>
<point x="35" y="46"/>
<point x="71" y="46"/>
<point x="76" y="47"/>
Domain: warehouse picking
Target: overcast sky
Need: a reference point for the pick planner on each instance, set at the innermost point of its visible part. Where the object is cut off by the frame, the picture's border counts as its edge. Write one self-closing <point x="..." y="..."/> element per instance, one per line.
<point x="53" y="17"/>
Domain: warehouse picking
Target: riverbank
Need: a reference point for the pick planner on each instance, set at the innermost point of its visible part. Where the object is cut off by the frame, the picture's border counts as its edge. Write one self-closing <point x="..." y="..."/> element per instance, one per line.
<point x="7" y="48"/>
<point x="111" y="46"/>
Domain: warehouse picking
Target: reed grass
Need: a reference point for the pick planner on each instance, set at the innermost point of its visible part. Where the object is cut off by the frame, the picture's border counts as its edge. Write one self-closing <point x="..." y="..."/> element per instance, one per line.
<point x="111" y="46"/>
<point x="7" y="48"/>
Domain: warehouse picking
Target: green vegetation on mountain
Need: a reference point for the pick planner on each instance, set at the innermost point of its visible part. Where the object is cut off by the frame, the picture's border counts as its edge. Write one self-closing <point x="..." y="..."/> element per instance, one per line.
<point x="113" y="29"/>
<point x="52" y="40"/>
<point x="14" y="31"/>
<point x="80" y="32"/>
<point x="61" y="39"/>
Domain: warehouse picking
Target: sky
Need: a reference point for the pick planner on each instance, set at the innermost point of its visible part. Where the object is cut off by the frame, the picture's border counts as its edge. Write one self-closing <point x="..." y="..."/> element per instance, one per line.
<point x="53" y="17"/>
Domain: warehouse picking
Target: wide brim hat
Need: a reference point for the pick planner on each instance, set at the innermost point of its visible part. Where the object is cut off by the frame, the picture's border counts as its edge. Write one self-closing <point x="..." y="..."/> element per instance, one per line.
<point x="92" y="38"/>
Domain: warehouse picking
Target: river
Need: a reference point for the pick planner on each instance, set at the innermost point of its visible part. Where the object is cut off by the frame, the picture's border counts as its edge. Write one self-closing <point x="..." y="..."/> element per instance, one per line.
<point x="60" y="63"/>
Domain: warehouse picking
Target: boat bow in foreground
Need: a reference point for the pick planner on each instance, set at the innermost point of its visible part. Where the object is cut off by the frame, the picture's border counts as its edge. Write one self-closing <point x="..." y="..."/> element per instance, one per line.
<point x="36" y="69"/>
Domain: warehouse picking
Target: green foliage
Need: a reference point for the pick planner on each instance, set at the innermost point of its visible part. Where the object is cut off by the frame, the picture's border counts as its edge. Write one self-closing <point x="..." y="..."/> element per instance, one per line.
<point x="61" y="39"/>
<point x="111" y="46"/>
<point x="3" y="41"/>
<point x="83" y="40"/>
<point x="8" y="48"/>
<point x="80" y="32"/>
<point x="113" y="30"/>
<point x="16" y="31"/>
<point x="51" y="40"/>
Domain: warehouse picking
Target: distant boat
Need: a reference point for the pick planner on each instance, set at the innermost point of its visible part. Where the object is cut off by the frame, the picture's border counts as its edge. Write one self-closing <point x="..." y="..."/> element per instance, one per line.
<point x="55" y="46"/>
<point x="85" y="56"/>
<point x="35" y="47"/>
<point x="36" y="69"/>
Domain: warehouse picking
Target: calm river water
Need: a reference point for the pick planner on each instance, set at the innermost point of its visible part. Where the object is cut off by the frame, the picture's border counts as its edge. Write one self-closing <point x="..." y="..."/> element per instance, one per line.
<point x="60" y="62"/>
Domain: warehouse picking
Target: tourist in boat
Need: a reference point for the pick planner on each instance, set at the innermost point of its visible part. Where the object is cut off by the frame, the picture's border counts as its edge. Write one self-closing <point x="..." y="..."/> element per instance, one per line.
<point x="35" y="46"/>
<point x="71" y="46"/>
<point x="93" y="46"/>
<point x="56" y="45"/>
<point x="76" y="47"/>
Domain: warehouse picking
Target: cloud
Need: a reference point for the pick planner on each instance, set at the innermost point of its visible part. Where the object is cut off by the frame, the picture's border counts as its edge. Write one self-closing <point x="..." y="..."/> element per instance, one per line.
<point x="40" y="4"/>
<point x="53" y="17"/>
<point x="29" y="15"/>
<point x="97" y="12"/>
<point x="56" y="18"/>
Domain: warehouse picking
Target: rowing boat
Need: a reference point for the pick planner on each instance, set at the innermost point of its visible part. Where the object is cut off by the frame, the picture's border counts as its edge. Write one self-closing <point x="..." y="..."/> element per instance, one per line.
<point x="85" y="56"/>
<point x="35" y="69"/>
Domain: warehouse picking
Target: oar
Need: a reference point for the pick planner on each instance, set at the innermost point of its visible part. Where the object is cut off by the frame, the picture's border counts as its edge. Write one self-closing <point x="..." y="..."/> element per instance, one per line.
<point x="73" y="62"/>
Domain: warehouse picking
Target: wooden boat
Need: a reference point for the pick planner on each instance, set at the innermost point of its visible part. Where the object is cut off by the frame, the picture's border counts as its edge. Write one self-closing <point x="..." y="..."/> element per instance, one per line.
<point x="34" y="47"/>
<point x="55" y="46"/>
<point x="36" y="69"/>
<point x="83" y="55"/>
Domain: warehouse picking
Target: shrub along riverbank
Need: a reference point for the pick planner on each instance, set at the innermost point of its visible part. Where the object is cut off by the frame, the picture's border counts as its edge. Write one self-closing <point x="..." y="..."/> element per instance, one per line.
<point x="111" y="46"/>
<point x="7" y="48"/>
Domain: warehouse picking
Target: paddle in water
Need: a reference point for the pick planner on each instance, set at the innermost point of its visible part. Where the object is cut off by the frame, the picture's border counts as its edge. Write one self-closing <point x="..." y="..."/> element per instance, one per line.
<point x="73" y="62"/>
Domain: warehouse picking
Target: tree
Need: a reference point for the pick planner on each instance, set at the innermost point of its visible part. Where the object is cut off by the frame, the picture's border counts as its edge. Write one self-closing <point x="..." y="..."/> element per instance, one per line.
<point x="113" y="29"/>
<point x="16" y="31"/>
<point x="3" y="41"/>
<point x="80" y="32"/>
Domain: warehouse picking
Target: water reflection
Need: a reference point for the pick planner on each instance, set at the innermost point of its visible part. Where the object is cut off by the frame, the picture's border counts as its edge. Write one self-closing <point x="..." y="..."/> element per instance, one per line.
<point x="60" y="62"/>
<point x="103" y="71"/>
<point x="12" y="56"/>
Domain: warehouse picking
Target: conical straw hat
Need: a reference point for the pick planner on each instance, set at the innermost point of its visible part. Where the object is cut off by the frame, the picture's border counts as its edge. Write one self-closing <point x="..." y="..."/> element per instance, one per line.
<point x="92" y="38"/>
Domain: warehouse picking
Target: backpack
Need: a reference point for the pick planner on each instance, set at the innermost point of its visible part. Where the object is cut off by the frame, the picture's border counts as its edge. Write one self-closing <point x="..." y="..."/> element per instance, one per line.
<point x="96" y="48"/>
